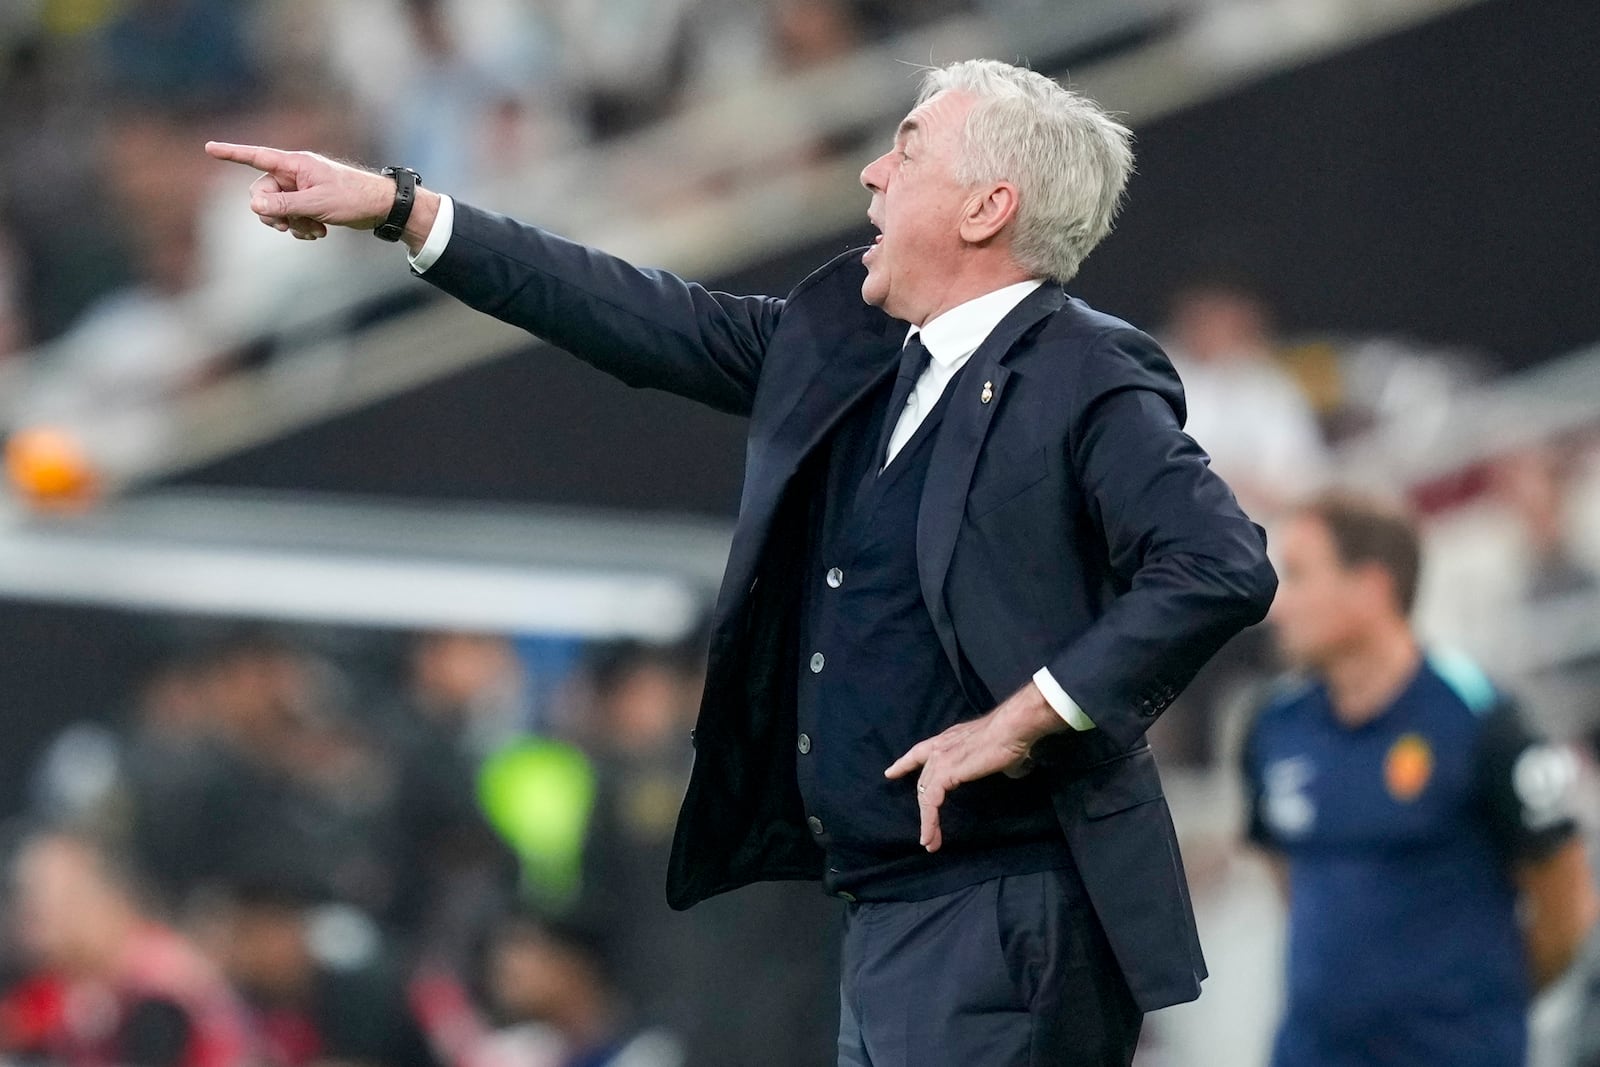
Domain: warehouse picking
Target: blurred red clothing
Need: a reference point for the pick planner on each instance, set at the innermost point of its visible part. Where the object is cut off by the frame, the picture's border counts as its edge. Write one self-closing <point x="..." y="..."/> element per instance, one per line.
<point x="163" y="994"/>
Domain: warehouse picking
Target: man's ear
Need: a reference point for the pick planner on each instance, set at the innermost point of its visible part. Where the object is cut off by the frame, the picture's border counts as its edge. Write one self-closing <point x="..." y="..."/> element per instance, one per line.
<point x="1378" y="584"/>
<point x="989" y="211"/>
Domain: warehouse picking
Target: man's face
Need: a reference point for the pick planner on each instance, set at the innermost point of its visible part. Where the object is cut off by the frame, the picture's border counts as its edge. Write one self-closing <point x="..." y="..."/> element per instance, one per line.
<point x="1323" y="605"/>
<point x="917" y="205"/>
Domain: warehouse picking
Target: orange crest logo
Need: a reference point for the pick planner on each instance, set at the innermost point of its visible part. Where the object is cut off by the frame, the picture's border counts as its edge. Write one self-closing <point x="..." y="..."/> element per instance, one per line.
<point x="1408" y="767"/>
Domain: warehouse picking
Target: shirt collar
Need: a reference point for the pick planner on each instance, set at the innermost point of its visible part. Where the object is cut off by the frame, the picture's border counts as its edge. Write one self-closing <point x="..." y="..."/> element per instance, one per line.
<point x="957" y="333"/>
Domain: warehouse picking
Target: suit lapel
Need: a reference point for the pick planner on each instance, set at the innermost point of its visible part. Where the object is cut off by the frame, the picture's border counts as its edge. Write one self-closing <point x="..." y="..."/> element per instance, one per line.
<point x="955" y="455"/>
<point x="836" y="384"/>
<point x="862" y="361"/>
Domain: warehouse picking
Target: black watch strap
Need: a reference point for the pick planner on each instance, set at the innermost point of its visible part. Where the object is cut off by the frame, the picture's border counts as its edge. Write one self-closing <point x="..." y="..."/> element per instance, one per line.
<point x="406" y="181"/>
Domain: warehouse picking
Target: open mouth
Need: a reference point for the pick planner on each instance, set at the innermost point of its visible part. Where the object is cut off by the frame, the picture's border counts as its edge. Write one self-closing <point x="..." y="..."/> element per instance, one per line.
<point x="877" y="239"/>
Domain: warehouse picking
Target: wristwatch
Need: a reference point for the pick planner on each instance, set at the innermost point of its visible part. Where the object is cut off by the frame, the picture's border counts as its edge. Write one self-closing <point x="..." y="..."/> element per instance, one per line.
<point x="406" y="181"/>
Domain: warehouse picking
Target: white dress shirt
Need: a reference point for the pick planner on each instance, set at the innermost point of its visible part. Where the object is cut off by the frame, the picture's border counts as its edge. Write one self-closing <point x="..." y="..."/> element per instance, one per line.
<point x="951" y="338"/>
<point x="444" y="224"/>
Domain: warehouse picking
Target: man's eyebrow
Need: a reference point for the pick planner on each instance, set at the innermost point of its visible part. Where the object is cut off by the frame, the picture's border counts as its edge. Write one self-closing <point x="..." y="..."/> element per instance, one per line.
<point x="908" y="126"/>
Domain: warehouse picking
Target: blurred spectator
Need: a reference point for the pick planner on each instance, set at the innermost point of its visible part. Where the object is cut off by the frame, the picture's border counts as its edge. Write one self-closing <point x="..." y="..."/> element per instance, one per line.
<point x="178" y="778"/>
<point x="627" y="60"/>
<point x="180" y="52"/>
<point x="468" y="698"/>
<point x="1536" y="483"/>
<point x="280" y="778"/>
<point x="321" y="986"/>
<point x="1558" y="590"/>
<point x="1249" y="414"/>
<point x="1244" y="408"/>
<point x="778" y="937"/>
<point x="68" y="239"/>
<point x="470" y="691"/>
<point x="548" y="977"/>
<point x="111" y="985"/>
<point x="811" y="33"/>
<point x="439" y="132"/>
<point x="641" y="714"/>
<point x="487" y="78"/>
<point x="469" y="760"/>
<point x="144" y="342"/>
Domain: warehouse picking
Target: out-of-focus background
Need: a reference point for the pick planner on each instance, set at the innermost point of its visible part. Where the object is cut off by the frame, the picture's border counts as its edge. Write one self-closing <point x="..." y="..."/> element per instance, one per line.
<point x="350" y="641"/>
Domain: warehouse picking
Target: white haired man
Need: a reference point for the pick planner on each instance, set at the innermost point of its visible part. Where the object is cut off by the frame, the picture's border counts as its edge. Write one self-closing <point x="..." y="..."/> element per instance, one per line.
<point x="957" y="595"/>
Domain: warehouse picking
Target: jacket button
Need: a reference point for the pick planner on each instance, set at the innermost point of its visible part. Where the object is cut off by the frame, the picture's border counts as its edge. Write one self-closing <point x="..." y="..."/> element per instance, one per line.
<point x="835" y="577"/>
<point x="816" y="662"/>
<point x="815" y="824"/>
<point x="804" y="744"/>
<point x="848" y="898"/>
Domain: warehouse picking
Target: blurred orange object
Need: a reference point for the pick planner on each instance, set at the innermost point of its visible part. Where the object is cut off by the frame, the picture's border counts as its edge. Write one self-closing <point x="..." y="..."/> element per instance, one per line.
<point x="50" y="466"/>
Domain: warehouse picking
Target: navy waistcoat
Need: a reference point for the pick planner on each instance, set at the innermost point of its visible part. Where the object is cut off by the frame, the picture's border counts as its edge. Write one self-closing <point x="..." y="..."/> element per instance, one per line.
<point x="873" y="681"/>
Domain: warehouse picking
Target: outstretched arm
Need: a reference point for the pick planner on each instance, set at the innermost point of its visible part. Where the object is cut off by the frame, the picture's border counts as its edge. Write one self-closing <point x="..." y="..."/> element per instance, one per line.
<point x="649" y="328"/>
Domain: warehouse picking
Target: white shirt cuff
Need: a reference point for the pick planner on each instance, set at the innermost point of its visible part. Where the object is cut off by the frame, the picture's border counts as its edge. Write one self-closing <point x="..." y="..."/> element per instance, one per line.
<point x="444" y="224"/>
<point x="1057" y="697"/>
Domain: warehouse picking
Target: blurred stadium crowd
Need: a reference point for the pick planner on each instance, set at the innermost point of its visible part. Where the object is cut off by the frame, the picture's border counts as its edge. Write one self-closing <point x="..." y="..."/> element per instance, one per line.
<point x="108" y="101"/>
<point x="395" y="852"/>
<point x="286" y="841"/>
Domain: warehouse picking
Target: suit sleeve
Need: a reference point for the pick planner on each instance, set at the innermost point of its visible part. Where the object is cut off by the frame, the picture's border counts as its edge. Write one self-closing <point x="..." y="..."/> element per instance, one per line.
<point x="1189" y="567"/>
<point x="649" y="328"/>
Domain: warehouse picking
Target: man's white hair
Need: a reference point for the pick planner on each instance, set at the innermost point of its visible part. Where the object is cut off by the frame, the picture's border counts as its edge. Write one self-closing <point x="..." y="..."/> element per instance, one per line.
<point x="1068" y="158"/>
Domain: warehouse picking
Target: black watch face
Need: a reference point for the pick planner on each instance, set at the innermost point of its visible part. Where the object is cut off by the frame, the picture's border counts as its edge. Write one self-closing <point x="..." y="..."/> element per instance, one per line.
<point x="387" y="232"/>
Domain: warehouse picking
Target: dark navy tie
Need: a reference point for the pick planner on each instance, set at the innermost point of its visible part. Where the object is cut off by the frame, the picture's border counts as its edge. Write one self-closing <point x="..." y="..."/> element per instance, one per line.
<point x="914" y="359"/>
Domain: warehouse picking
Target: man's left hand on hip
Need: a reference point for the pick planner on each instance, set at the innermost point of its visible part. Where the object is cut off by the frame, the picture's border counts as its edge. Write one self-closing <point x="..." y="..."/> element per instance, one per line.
<point x="997" y="742"/>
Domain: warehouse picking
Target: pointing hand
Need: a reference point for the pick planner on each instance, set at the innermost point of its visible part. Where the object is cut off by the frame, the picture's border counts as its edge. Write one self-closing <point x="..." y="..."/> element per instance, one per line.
<point x="303" y="193"/>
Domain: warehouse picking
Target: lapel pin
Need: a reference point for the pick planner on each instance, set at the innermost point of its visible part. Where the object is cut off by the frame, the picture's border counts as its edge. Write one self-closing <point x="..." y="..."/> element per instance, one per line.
<point x="988" y="392"/>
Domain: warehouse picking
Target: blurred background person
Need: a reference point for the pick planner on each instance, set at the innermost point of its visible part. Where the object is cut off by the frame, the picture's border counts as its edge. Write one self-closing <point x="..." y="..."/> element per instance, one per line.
<point x="1252" y="417"/>
<point x="548" y="978"/>
<point x="1245" y="408"/>
<point x="284" y="779"/>
<point x="322" y="986"/>
<point x="467" y="699"/>
<point x="644" y="700"/>
<point x="1422" y="832"/>
<point x="109" y="983"/>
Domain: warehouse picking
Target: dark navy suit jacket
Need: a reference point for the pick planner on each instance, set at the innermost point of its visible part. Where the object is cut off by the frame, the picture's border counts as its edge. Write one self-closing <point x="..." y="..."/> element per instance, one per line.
<point x="1066" y="522"/>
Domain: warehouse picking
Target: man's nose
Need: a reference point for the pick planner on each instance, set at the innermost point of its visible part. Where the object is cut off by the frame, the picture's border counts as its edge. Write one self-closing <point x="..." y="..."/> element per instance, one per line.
<point x="871" y="175"/>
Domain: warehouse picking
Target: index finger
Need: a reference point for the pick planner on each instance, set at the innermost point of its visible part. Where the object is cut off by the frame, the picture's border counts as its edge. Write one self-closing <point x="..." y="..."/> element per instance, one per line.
<point x="914" y="758"/>
<point x="257" y="156"/>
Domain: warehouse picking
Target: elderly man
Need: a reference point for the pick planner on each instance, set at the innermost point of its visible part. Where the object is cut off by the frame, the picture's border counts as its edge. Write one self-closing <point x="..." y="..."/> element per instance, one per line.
<point x="976" y="557"/>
